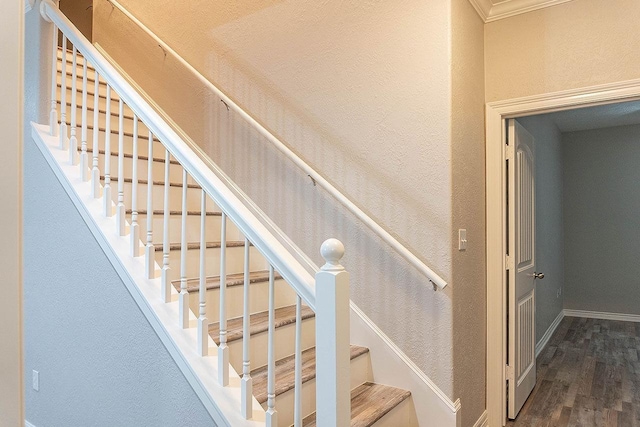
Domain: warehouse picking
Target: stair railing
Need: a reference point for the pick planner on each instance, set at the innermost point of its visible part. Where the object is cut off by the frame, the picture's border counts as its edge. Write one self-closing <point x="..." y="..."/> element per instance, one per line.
<point x="327" y="294"/>
<point x="437" y="281"/>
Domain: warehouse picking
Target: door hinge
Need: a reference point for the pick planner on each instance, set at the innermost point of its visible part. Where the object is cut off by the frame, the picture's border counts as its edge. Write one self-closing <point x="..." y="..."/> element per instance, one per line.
<point x="508" y="372"/>
<point x="508" y="262"/>
<point x="508" y="152"/>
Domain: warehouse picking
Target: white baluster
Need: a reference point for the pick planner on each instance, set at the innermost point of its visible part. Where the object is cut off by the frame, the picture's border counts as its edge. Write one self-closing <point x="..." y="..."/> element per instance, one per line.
<point x="272" y="414"/>
<point x="84" y="161"/>
<point x="135" y="228"/>
<point x="73" y="142"/>
<point x="246" y="399"/>
<point x="120" y="208"/>
<point x="223" y="348"/>
<point x="95" y="170"/>
<point x="184" y="295"/>
<point x="297" y="398"/>
<point x="149" y="263"/>
<point x="63" y="96"/>
<point x="203" y="322"/>
<point x="106" y="193"/>
<point x="53" y="115"/>
<point x="333" y="396"/>
<point x="166" y="247"/>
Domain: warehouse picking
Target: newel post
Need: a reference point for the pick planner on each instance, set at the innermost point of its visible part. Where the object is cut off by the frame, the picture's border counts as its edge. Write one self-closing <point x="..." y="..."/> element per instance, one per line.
<point x="333" y="398"/>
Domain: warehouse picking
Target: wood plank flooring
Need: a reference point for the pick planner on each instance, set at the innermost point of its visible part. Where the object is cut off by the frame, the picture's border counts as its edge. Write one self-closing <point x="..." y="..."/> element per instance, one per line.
<point x="587" y="376"/>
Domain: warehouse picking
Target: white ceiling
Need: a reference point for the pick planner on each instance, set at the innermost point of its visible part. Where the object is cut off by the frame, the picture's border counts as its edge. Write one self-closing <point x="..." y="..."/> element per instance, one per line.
<point x="492" y="10"/>
<point x="603" y="116"/>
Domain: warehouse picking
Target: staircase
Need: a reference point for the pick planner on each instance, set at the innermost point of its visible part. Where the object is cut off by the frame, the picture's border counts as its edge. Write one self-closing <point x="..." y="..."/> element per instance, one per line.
<point x="247" y="314"/>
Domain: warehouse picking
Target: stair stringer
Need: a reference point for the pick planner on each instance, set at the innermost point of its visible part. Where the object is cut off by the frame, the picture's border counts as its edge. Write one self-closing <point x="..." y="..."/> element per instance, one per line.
<point x="390" y="366"/>
<point x="222" y="403"/>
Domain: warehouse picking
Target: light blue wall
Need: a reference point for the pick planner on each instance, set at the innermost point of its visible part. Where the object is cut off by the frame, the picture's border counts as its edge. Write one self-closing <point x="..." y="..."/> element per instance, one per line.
<point x="549" y="219"/>
<point x="602" y="219"/>
<point x="100" y="362"/>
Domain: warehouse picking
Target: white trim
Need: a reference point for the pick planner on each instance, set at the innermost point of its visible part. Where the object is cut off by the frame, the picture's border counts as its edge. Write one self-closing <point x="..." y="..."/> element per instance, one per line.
<point x="549" y="333"/>
<point x="28" y="424"/>
<point x="496" y="114"/>
<point x="602" y="315"/>
<point x="492" y="12"/>
<point x="221" y="403"/>
<point x="391" y="366"/>
<point x="483" y="421"/>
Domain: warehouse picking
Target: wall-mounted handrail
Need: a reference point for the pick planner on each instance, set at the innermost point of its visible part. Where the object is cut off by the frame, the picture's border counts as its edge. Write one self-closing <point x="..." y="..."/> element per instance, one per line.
<point x="277" y="255"/>
<point x="315" y="176"/>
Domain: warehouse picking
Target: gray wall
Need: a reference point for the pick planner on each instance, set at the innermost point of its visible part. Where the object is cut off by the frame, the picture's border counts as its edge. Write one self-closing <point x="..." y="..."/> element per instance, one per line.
<point x="549" y="219"/>
<point x="602" y="222"/>
<point x="100" y="362"/>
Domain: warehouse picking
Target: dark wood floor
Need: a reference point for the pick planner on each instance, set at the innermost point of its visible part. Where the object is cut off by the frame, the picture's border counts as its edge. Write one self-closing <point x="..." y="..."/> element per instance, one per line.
<point x="587" y="376"/>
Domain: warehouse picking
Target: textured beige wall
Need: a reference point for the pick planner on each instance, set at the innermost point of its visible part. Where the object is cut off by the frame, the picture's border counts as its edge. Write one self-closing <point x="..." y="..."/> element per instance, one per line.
<point x="363" y="91"/>
<point x="80" y="13"/>
<point x="11" y="52"/>
<point x="467" y="156"/>
<point x="576" y="44"/>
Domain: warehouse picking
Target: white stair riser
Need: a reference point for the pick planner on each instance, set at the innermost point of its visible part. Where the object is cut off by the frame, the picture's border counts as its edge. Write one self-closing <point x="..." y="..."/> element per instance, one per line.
<point x="143" y="145"/>
<point x="102" y="89"/>
<point x="402" y="415"/>
<point x="235" y="261"/>
<point x="284" y="344"/>
<point x="175" y="196"/>
<point x="127" y="120"/>
<point x="360" y="373"/>
<point x="175" y="171"/>
<point x="259" y="299"/>
<point x="79" y="68"/>
<point x="101" y="102"/>
<point x="212" y="226"/>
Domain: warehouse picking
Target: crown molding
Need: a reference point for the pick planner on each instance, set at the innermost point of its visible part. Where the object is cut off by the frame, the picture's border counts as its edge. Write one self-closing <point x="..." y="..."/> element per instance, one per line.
<point x="492" y="12"/>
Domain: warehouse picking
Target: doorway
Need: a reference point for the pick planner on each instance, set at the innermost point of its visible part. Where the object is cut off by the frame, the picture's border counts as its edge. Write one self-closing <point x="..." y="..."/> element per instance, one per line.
<point x="497" y="116"/>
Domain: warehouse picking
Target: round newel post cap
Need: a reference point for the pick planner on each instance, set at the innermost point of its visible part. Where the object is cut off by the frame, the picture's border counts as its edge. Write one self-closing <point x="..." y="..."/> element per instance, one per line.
<point x="332" y="250"/>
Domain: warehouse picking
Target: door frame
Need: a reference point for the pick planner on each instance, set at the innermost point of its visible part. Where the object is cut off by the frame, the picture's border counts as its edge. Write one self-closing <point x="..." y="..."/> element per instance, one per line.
<point x="496" y="115"/>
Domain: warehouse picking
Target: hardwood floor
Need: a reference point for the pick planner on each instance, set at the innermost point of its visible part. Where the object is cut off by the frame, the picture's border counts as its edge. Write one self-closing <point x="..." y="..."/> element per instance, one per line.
<point x="587" y="376"/>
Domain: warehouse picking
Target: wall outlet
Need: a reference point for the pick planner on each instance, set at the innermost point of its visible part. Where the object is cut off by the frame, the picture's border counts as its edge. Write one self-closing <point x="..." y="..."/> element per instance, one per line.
<point x="35" y="378"/>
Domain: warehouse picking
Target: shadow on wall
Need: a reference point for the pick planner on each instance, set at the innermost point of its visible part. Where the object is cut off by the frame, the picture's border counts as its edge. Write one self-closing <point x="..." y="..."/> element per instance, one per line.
<point x="400" y="177"/>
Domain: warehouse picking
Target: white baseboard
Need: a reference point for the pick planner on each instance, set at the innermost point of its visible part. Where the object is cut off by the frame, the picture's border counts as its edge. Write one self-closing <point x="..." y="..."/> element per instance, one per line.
<point x="483" y="421"/>
<point x="602" y="315"/>
<point x="28" y="424"/>
<point x="547" y="335"/>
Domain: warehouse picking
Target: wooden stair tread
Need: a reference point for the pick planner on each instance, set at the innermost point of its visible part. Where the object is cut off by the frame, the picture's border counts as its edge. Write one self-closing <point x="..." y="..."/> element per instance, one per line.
<point x="91" y="109"/>
<point x="115" y="132"/>
<point x="236" y="279"/>
<point x="144" y="182"/>
<point x="161" y="212"/>
<point x="114" y="95"/>
<point x="369" y="403"/>
<point x="259" y="322"/>
<point x="130" y="156"/>
<point x="285" y="372"/>
<point x="196" y="245"/>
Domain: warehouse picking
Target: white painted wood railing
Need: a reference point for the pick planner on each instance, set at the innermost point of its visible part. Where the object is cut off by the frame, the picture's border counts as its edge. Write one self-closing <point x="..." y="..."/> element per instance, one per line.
<point x="327" y="294"/>
<point x="318" y="179"/>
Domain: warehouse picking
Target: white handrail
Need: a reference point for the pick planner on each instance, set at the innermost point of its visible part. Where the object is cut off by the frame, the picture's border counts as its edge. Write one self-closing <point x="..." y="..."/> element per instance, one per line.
<point x="282" y="260"/>
<point x="313" y="174"/>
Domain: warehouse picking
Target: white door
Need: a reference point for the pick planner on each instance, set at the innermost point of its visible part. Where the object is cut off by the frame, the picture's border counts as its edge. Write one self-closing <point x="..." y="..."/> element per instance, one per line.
<point x="521" y="362"/>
